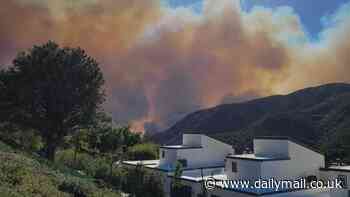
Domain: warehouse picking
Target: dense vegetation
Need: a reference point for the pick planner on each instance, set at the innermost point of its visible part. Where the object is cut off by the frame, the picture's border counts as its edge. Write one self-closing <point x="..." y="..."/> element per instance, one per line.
<point x="23" y="174"/>
<point x="56" y="140"/>
<point x="83" y="175"/>
<point x="318" y="116"/>
<point x="53" y="91"/>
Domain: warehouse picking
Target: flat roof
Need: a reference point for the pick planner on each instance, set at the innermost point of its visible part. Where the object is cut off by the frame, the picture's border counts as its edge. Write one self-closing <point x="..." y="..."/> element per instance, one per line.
<point x="150" y="164"/>
<point x="200" y="174"/>
<point x="253" y="157"/>
<point x="181" y="147"/>
<point x="155" y="164"/>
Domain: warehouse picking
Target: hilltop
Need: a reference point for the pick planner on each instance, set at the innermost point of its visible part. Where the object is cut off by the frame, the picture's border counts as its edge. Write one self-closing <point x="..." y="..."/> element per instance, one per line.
<point x="310" y="115"/>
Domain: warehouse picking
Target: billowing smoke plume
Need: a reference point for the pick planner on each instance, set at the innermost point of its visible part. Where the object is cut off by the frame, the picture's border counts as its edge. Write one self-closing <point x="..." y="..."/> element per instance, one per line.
<point x="161" y="63"/>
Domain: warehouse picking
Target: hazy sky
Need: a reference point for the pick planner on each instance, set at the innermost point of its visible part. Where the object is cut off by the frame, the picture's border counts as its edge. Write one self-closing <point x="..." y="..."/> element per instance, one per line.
<point x="310" y="12"/>
<point x="163" y="59"/>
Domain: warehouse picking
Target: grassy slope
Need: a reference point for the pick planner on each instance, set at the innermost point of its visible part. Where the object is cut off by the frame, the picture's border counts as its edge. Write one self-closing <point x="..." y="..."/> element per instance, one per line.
<point x="22" y="174"/>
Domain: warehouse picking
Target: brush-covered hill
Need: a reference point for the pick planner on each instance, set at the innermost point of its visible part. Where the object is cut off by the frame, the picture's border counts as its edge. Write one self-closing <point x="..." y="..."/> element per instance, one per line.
<point x="311" y="115"/>
<point x="25" y="175"/>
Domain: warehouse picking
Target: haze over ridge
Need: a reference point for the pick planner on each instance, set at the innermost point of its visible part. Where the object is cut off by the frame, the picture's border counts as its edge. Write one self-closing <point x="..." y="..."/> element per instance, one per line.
<point x="161" y="63"/>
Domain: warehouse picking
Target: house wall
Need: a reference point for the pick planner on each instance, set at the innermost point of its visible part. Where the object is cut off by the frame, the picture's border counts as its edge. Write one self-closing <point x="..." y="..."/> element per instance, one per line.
<point x="194" y="157"/>
<point x="170" y="156"/>
<point x="192" y="139"/>
<point x="278" y="170"/>
<point x="303" y="162"/>
<point x="271" y="148"/>
<point x="212" y="152"/>
<point x="246" y="169"/>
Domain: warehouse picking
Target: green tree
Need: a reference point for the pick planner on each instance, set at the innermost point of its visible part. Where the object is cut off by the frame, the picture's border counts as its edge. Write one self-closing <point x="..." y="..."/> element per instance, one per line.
<point x="80" y="142"/>
<point x="52" y="90"/>
<point x="176" y="185"/>
<point x="112" y="145"/>
<point x="146" y="151"/>
<point x="111" y="140"/>
<point x="130" y="138"/>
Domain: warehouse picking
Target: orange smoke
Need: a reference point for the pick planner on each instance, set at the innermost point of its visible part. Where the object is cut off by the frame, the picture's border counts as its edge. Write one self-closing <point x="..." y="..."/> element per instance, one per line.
<point x="161" y="63"/>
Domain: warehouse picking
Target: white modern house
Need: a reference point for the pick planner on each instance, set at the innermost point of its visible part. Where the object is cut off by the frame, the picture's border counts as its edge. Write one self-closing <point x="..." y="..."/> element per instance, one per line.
<point x="274" y="158"/>
<point x="196" y="150"/>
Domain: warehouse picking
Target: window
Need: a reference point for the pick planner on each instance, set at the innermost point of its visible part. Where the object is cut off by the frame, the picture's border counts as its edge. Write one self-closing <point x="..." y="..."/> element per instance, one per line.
<point x="234" y="167"/>
<point x="225" y="164"/>
<point x="163" y="153"/>
<point x="344" y="181"/>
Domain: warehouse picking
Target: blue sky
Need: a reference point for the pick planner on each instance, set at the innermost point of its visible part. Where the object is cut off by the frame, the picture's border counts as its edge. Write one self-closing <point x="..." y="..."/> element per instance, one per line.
<point x="309" y="11"/>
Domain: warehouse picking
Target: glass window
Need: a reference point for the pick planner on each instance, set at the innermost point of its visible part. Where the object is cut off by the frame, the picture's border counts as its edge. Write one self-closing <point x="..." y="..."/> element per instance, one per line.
<point x="234" y="167"/>
<point x="163" y="153"/>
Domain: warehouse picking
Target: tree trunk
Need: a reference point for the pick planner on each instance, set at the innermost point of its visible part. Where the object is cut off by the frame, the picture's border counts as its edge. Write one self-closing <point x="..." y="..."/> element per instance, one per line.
<point x="50" y="151"/>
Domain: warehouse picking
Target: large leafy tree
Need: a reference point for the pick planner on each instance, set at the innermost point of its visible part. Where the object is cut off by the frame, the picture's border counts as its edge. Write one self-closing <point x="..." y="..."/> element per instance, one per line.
<point x="52" y="90"/>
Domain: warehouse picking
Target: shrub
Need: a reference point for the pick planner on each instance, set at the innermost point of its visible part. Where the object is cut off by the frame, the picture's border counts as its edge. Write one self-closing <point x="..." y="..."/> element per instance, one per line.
<point x="4" y="147"/>
<point x="100" y="168"/>
<point x="146" y="151"/>
<point x="97" y="167"/>
<point x="118" y="178"/>
<point x="27" y="140"/>
<point x="22" y="176"/>
<point x="93" y="166"/>
<point x="81" y="188"/>
<point x="76" y="187"/>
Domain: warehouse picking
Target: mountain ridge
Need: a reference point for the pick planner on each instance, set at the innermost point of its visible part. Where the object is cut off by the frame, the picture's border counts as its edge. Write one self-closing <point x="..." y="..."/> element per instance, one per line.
<point x="306" y="115"/>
